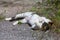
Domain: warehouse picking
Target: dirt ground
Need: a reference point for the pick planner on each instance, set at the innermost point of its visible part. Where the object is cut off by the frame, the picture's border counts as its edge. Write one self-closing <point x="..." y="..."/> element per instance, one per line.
<point x="10" y="8"/>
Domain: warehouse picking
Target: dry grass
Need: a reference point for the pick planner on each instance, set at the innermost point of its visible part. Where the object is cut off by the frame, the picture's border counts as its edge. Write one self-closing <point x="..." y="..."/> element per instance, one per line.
<point x="50" y="11"/>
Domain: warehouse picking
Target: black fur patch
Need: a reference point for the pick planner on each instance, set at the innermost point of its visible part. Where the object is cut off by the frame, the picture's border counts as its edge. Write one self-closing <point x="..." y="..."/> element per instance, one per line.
<point x="45" y="26"/>
<point x="14" y="19"/>
<point x="29" y="24"/>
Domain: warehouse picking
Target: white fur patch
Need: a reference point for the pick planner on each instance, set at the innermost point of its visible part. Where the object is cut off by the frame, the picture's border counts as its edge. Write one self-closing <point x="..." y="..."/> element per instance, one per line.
<point x="33" y="26"/>
<point x="8" y="18"/>
<point x="15" y="23"/>
<point x="46" y="20"/>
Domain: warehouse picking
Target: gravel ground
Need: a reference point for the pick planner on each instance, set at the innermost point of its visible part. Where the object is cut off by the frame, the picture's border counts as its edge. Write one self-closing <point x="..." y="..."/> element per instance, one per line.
<point x="23" y="31"/>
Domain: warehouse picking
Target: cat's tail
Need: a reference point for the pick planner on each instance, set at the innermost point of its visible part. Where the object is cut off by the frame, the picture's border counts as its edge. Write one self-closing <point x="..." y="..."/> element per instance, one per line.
<point x="13" y="19"/>
<point x="8" y="19"/>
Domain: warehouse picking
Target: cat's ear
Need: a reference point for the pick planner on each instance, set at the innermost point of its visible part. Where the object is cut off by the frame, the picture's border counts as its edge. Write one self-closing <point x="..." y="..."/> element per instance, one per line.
<point x="51" y="23"/>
